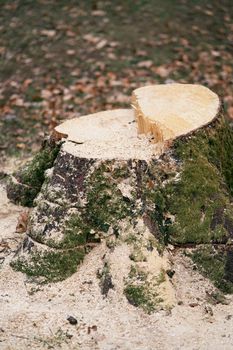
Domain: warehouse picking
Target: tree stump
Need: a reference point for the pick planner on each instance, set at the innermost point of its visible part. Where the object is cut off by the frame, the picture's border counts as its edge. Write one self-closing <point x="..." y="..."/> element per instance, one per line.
<point x="164" y="167"/>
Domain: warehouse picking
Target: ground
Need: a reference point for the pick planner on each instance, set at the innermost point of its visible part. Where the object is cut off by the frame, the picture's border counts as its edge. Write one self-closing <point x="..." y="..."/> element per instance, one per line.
<point x="35" y="316"/>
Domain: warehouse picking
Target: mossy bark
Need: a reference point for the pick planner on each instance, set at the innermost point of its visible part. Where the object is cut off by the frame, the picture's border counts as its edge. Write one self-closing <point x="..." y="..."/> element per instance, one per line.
<point x="25" y="183"/>
<point x="184" y="197"/>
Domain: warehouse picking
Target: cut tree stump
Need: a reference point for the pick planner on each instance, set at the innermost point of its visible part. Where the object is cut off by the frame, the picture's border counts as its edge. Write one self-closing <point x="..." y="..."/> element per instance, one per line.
<point x="166" y="164"/>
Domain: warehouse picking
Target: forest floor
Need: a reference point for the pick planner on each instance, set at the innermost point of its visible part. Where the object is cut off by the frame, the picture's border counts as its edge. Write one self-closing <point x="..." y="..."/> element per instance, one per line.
<point x="59" y="60"/>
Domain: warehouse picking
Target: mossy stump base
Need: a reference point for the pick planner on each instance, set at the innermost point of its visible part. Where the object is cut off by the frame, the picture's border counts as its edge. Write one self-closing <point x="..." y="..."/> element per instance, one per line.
<point x="182" y="193"/>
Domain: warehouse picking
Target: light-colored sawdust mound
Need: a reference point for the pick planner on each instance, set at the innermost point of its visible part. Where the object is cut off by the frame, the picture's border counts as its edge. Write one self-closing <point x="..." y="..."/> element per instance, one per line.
<point x="35" y="316"/>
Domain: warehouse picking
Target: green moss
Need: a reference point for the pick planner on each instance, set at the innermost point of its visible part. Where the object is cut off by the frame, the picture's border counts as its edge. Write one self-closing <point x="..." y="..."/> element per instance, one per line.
<point x="136" y="295"/>
<point x="105" y="207"/>
<point x="193" y="206"/>
<point x="76" y="232"/>
<point x="130" y="238"/>
<point x="137" y="274"/>
<point x="31" y="177"/>
<point x="217" y="297"/>
<point x="158" y="245"/>
<point x="141" y="290"/>
<point x="193" y="201"/>
<point x="154" y="198"/>
<point x="21" y="194"/>
<point x="202" y="191"/>
<point x="33" y="173"/>
<point x="121" y="172"/>
<point x="161" y="277"/>
<point x="216" y="145"/>
<point x="50" y="266"/>
<point x="214" y="264"/>
<point x="105" y="277"/>
<point x="105" y="202"/>
<point x="137" y="255"/>
<point x="139" y="296"/>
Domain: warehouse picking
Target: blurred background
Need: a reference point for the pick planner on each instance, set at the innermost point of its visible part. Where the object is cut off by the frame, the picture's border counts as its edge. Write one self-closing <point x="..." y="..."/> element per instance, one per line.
<point x="63" y="58"/>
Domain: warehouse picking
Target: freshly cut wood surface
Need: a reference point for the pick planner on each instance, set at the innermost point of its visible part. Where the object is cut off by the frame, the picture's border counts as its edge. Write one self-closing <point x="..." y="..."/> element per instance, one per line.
<point x="168" y="111"/>
<point x="100" y="126"/>
<point x="106" y="135"/>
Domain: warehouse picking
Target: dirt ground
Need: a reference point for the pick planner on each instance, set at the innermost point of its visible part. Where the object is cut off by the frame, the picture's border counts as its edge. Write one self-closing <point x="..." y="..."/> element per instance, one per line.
<point x="35" y="316"/>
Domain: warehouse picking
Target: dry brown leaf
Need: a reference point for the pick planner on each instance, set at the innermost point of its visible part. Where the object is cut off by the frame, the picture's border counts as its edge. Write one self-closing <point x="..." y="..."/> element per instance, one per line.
<point x="2" y="50"/>
<point x="17" y="101"/>
<point x="98" y="13"/>
<point x="26" y="83"/>
<point x="4" y="246"/>
<point x="46" y="94"/>
<point x="162" y="71"/>
<point x="91" y="38"/>
<point x="145" y="64"/>
<point x="21" y="145"/>
<point x="70" y="52"/>
<point x="70" y="33"/>
<point x="48" y="32"/>
<point x="22" y="222"/>
<point x="101" y="44"/>
<point x="230" y="112"/>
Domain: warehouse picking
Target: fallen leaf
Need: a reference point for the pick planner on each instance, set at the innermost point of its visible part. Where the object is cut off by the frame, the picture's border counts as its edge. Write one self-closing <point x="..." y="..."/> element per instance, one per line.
<point x="46" y="94"/>
<point x="101" y="44"/>
<point x="48" y="32"/>
<point x="22" y="222"/>
<point x="91" y="38"/>
<point x="70" y="52"/>
<point x="98" y="13"/>
<point x="17" y="101"/>
<point x="145" y="64"/>
<point x="70" y="33"/>
<point x="162" y="71"/>
<point x="230" y="112"/>
<point x="26" y="83"/>
<point x="21" y="145"/>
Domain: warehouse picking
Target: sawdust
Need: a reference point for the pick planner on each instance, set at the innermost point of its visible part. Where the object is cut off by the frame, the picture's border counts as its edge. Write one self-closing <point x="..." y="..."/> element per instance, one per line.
<point x="35" y="317"/>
